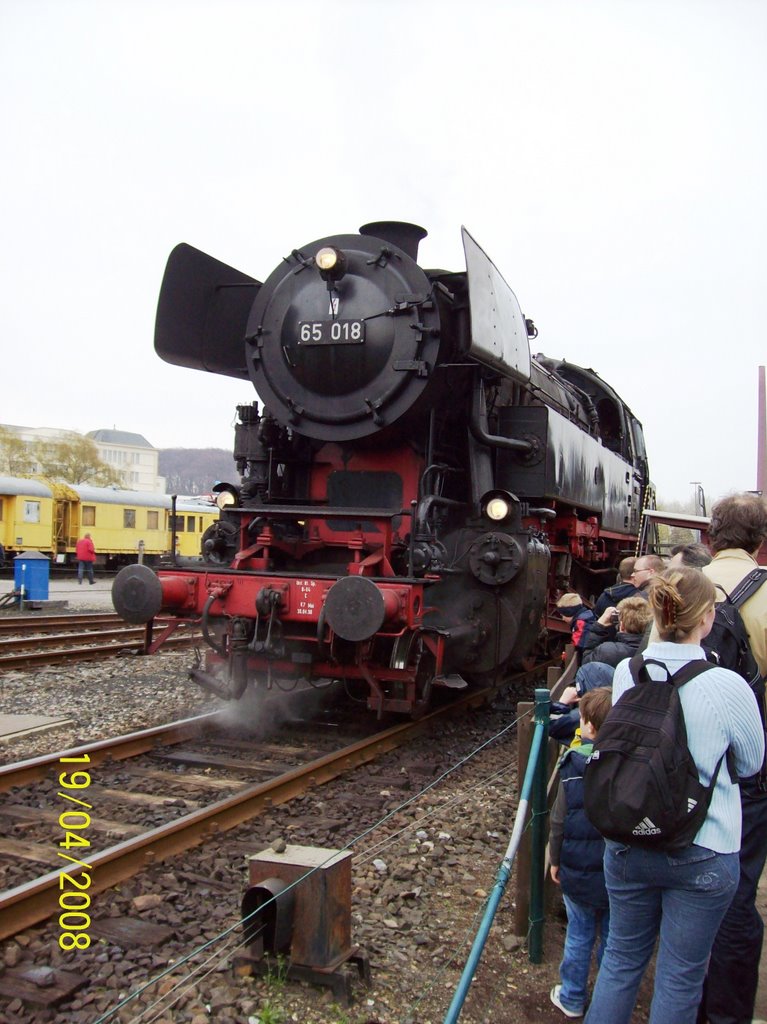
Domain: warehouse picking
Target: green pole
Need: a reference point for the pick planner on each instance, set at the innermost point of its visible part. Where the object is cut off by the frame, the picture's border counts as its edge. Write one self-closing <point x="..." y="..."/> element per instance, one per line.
<point x="538" y="842"/>
<point x="502" y="878"/>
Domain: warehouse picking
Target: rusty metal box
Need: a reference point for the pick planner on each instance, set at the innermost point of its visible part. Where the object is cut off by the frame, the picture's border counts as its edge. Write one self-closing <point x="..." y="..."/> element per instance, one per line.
<point x="322" y="924"/>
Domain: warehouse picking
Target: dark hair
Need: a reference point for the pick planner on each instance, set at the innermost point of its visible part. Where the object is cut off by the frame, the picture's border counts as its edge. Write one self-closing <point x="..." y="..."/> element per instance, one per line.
<point x="694" y="555"/>
<point x="595" y="705"/>
<point x="738" y="521"/>
<point x="679" y="599"/>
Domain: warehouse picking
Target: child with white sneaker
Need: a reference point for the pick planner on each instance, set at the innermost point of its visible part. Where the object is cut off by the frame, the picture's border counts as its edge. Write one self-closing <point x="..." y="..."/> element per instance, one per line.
<point x="576" y="850"/>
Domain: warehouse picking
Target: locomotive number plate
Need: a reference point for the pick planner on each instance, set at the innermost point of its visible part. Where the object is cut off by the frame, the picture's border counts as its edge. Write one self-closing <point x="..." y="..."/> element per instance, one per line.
<point x="331" y="332"/>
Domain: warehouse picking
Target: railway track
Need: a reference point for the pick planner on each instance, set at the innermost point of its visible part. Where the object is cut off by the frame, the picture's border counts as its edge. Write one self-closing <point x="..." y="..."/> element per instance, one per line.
<point x="33" y="900"/>
<point x="31" y="624"/>
<point x="105" y="637"/>
<point x="116" y="749"/>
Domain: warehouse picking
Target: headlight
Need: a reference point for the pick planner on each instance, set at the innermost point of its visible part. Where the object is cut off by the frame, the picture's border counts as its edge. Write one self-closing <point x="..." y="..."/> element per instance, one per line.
<point x="498" y="505"/>
<point x="226" y="495"/>
<point x="225" y="498"/>
<point x="497" y="509"/>
<point x="326" y="258"/>
<point x="331" y="263"/>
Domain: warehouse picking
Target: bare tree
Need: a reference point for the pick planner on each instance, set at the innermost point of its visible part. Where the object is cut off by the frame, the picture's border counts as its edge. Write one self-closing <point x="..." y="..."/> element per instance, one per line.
<point x="16" y="459"/>
<point x="74" y="459"/>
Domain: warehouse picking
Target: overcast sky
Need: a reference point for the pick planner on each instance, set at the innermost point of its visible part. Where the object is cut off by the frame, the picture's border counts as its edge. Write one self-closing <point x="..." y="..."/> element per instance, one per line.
<point x="610" y="157"/>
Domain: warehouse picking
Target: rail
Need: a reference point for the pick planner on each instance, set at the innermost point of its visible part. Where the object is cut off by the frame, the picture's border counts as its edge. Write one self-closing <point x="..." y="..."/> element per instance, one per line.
<point x="34" y="901"/>
<point x="42" y="623"/>
<point x="15" y="653"/>
<point x="22" y="773"/>
<point x="37" y="900"/>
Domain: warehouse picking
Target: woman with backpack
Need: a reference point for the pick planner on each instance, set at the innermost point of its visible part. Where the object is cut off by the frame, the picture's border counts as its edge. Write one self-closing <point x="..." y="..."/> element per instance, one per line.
<point x="678" y="896"/>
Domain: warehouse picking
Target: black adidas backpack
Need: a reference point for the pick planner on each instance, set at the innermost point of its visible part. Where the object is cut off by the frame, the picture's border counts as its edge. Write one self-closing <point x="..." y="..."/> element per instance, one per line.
<point x="641" y="785"/>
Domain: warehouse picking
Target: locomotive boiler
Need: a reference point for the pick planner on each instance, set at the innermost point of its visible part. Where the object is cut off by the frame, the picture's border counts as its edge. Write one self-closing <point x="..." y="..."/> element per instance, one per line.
<point x="415" y="487"/>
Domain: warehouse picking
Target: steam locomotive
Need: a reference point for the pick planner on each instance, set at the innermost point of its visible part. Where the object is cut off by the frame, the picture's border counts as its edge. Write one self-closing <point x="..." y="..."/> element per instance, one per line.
<point x="415" y="489"/>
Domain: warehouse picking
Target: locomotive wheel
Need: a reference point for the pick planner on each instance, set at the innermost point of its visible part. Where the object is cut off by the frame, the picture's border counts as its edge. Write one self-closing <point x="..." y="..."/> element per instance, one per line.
<point x="400" y="655"/>
<point x="409" y="651"/>
<point x="423" y="661"/>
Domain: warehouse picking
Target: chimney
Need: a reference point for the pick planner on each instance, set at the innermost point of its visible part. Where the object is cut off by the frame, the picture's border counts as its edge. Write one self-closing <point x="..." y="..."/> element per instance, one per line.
<point x="405" y="236"/>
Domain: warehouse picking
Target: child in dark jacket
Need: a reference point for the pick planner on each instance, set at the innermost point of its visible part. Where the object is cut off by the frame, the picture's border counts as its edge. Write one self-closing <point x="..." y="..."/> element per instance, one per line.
<point x="570" y="606"/>
<point x="576" y="850"/>
<point x="618" y="632"/>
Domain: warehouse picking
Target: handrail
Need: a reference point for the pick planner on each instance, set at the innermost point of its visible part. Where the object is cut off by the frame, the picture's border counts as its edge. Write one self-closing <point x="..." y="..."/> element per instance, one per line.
<point x="535" y="764"/>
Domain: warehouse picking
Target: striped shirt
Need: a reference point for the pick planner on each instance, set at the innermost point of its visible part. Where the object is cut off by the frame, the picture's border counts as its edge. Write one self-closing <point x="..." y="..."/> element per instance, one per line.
<point x="720" y="711"/>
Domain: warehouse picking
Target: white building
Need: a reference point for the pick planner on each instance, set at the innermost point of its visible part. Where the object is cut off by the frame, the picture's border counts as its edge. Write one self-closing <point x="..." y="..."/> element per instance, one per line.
<point x="130" y="455"/>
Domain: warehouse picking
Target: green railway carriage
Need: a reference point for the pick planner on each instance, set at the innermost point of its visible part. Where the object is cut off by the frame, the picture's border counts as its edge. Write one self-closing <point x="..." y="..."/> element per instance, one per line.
<point x="46" y="516"/>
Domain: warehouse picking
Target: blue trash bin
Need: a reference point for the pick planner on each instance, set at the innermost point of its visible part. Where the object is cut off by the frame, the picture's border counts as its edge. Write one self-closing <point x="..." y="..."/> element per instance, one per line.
<point x="31" y="571"/>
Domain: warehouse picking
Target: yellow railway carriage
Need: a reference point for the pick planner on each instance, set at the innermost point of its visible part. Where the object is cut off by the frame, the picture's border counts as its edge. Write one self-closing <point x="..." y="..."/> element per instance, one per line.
<point x="192" y="520"/>
<point x="50" y="517"/>
<point x="122" y="524"/>
<point x="27" y="511"/>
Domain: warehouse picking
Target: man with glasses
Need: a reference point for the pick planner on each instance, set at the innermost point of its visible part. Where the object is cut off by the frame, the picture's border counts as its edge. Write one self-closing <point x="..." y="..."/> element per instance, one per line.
<point x="645" y="567"/>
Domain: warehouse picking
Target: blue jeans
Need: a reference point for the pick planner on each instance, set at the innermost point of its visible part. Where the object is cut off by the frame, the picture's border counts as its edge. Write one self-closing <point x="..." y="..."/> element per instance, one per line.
<point x="583" y="923"/>
<point x="88" y="568"/>
<point x="680" y="897"/>
<point x="729" y="993"/>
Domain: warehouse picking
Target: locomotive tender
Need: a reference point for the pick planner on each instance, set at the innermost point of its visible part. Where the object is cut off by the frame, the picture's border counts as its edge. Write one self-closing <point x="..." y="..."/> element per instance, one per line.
<point x="415" y="489"/>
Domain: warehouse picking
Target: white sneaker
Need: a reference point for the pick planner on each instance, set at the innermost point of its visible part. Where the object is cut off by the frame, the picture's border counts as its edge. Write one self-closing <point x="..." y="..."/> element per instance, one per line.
<point x="554" y="997"/>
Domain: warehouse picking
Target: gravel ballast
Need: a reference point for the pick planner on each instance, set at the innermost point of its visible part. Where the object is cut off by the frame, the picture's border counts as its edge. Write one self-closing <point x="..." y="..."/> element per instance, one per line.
<point x="420" y="877"/>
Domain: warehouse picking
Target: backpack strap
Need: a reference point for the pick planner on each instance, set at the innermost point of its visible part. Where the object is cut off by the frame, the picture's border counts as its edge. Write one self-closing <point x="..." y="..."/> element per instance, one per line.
<point x="729" y="757"/>
<point x="690" y="671"/>
<point x="747" y="587"/>
<point x="638" y="668"/>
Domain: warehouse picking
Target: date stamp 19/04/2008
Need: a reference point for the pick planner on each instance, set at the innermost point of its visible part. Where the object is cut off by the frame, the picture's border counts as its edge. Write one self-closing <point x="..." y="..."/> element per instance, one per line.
<point x="74" y="820"/>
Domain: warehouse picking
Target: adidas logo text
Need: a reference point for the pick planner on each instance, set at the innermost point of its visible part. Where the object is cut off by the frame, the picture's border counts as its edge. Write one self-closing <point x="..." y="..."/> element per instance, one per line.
<point x="646" y="827"/>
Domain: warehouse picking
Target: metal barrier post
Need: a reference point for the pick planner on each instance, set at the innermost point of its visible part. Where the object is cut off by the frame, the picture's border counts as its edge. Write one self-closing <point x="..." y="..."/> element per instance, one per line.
<point x="525" y="729"/>
<point x="539" y="810"/>
<point x="537" y="752"/>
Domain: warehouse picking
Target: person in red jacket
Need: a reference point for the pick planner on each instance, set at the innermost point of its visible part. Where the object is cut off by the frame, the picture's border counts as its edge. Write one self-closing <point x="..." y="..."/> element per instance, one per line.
<point x="85" y="553"/>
